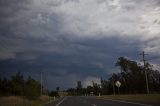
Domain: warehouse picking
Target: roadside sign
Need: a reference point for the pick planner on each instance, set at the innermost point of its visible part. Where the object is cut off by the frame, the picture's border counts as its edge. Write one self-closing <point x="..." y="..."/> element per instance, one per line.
<point x="118" y="84"/>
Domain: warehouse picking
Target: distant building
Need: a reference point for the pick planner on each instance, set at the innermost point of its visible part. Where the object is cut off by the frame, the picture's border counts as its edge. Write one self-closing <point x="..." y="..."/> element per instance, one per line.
<point x="91" y="93"/>
<point x="61" y="93"/>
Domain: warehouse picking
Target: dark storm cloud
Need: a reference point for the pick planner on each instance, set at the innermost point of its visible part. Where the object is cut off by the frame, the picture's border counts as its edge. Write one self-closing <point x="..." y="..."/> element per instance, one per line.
<point x="71" y="40"/>
<point x="86" y="57"/>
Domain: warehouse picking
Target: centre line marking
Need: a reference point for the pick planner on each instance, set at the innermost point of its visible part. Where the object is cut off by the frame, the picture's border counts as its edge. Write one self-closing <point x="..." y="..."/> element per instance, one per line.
<point x="61" y="101"/>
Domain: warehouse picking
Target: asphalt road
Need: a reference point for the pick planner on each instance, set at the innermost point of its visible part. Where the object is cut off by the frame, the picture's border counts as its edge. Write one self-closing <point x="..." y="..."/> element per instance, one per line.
<point x="92" y="101"/>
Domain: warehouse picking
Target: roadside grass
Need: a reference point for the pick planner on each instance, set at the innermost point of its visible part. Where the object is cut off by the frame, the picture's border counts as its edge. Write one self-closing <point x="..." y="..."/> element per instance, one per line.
<point x="41" y="101"/>
<point x="12" y="101"/>
<point x="143" y="98"/>
<point x="20" y="101"/>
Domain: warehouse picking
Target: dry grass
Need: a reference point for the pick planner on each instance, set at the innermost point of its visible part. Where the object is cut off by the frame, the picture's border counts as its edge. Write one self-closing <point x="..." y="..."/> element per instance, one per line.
<point x="42" y="100"/>
<point x="12" y="101"/>
<point x="20" y="101"/>
<point x="45" y="98"/>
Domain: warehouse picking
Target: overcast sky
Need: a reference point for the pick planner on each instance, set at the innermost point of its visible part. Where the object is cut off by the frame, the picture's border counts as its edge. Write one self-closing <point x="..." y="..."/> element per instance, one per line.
<point x="71" y="40"/>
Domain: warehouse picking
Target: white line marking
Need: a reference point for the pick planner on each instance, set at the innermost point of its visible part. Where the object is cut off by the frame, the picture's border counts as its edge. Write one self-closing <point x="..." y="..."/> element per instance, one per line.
<point x="94" y="105"/>
<point x="128" y="102"/>
<point x="61" y="101"/>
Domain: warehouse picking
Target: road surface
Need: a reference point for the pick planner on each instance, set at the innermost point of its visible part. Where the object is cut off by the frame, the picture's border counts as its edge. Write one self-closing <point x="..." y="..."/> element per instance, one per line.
<point x="92" y="101"/>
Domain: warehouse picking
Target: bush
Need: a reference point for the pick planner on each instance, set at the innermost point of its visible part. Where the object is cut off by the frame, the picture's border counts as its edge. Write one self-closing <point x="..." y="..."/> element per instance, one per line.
<point x="32" y="89"/>
<point x="54" y="94"/>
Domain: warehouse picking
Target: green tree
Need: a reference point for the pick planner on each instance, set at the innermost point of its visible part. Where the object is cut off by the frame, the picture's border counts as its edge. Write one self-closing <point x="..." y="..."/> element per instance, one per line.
<point x="153" y="78"/>
<point x="106" y="87"/>
<point x="32" y="89"/>
<point x="132" y="76"/>
<point x="71" y="91"/>
<point x="17" y="83"/>
<point x="96" y="88"/>
<point x="5" y="87"/>
<point x="1" y="93"/>
<point x="54" y="94"/>
<point x="89" y="89"/>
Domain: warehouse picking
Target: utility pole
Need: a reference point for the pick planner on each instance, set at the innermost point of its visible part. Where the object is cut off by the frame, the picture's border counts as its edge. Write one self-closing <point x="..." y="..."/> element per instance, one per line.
<point x="46" y="84"/>
<point x="41" y="84"/>
<point x="146" y="77"/>
<point x="113" y="85"/>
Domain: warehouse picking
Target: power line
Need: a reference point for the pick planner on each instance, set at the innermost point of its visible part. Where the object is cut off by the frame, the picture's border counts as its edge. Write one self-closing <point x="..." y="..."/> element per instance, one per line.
<point x="144" y="63"/>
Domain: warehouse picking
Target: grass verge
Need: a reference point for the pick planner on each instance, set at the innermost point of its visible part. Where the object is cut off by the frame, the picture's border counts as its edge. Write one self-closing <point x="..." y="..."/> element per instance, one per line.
<point x="20" y="101"/>
<point x="142" y="98"/>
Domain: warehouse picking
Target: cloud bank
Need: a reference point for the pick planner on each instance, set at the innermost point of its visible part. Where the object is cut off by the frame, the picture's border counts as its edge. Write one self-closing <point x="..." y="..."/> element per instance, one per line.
<point x="78" y="38"/>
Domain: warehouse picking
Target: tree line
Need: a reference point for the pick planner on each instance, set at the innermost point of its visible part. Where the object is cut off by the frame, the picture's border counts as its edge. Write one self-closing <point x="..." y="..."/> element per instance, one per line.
<point x="131" y="77"/>
<point x="17" y="86"/>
